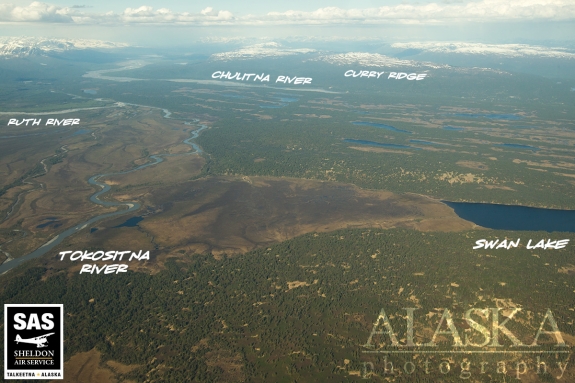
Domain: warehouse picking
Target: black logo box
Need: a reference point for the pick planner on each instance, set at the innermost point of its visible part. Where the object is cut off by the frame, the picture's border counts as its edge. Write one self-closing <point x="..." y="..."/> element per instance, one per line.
<point x="54" y="342"/>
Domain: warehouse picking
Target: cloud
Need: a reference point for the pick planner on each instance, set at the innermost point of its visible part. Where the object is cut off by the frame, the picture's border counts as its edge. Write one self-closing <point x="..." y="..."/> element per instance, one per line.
<point x="48" y="13"/>
<point x="146" y="14"/>
<point x="440" y="12"/>
<point x="35" y="12"/>
<point x="485" y="10"/>
<point x="209" y="11"/>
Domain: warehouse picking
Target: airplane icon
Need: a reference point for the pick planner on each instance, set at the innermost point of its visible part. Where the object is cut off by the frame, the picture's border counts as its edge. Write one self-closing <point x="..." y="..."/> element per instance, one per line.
<point x="40" y="341"/>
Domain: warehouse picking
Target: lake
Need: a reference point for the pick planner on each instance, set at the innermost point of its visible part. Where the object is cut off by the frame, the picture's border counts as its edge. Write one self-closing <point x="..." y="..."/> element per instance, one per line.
<point x="517" y="146"/>
<point x="379" y="144"/>
<point x="513" y="217"/>
<point x="270" y="106"/>
<point x="425" y="142"/>
<point x="80" y="132"/>
<point x="381" y="126"/>
<point x="131" y="222"/>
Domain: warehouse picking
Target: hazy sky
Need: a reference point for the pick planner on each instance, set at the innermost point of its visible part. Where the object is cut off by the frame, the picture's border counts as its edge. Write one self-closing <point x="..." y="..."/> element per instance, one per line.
<point x="152" y="22"/>
<point x="234" y="6"/>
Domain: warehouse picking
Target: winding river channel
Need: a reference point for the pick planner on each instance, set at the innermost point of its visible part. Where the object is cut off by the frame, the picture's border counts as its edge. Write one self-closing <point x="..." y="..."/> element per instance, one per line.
<point x="104" y="188"/>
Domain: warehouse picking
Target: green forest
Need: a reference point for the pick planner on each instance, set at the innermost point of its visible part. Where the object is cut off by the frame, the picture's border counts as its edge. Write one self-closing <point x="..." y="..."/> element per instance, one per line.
<point x="302" y="309"/>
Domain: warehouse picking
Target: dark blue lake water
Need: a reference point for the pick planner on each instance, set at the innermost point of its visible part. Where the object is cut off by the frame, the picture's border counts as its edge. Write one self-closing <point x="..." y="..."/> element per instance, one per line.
<point x="80" y="132"/>
<point x="50" y="221"/>
<point x="272" y="106"/>
<point x="379" y="144"/>
<point x="511" y="217"/>
<point x="131" y="222"/>
<point x="288" y="96"/>
<point x="381" y="126"/>
<point x="517" y="146"/>
<point x="426" y="142"/>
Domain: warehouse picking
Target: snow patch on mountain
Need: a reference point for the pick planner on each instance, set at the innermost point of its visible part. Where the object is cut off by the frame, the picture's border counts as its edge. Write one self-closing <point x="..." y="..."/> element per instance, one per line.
<point x="268" y="49"/>
<point x="509" y="50"/>
<point x="12" y="47"/>
<point x="374" y="60"/>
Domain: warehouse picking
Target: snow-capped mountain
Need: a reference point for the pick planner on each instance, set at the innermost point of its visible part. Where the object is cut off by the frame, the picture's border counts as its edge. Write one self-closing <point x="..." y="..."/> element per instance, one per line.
<point x="508" y="50"/>
<point x="374" y="60"/>
<point x="269" y="49"/>
<point x="11" y="47"/>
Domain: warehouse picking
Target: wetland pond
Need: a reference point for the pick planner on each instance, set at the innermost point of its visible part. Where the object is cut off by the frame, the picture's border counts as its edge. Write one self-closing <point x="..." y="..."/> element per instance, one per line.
<point x="381" y="126"/>
<point x="379" y="144"/>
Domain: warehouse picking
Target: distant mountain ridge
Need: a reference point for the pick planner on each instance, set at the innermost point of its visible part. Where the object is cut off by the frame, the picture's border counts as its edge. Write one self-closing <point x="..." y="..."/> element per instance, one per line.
<point x="374" y="59"/>
<point x="507" y="50"/>
<point x="17" y="47"/>
<point x="261" y="50"/>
